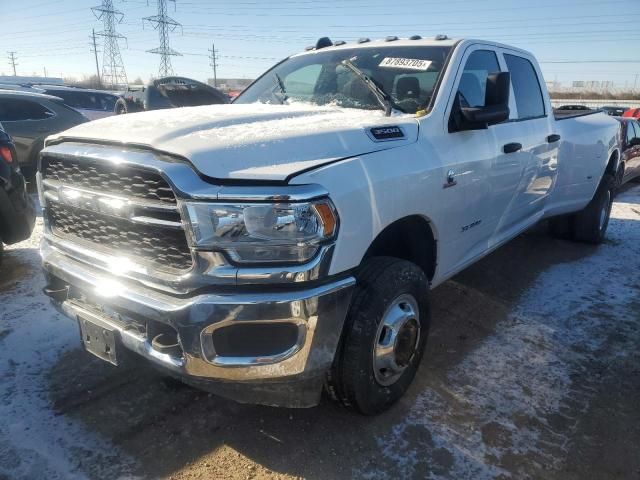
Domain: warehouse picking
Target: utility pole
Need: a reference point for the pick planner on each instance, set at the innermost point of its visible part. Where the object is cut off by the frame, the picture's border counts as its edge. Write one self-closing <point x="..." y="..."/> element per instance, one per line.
<point x="113" y="72"/>
<point x="12" y="60"/>
<point x="94" y="49"/>
<point x="214" y="63"/>
<point x="164" y="24"/>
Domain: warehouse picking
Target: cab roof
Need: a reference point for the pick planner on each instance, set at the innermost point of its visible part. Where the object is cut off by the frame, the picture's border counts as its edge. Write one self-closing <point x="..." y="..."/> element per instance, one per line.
<point x="390" y="41"/>
<point x="325" y="44"/>
<point x="23" y="94"/>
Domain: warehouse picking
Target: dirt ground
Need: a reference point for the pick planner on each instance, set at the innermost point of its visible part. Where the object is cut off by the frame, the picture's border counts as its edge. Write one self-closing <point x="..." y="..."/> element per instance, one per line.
<point x="532" y="371"/>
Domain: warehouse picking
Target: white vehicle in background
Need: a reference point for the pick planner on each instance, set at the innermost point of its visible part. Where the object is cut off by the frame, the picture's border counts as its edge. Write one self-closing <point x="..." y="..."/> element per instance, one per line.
<point x="288" y="241"/>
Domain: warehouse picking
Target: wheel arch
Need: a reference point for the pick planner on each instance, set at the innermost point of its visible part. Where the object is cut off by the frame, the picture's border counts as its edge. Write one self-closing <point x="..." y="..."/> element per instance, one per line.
<point x="614" y="162"/>
<point x="412" y="238"/>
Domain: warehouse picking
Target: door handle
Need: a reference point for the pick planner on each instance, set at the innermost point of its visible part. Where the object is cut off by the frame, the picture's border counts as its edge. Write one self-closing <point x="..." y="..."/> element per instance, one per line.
<point x="554" y="137"/>
<point x="512" y="147"/>
<point x="42" y="129"/>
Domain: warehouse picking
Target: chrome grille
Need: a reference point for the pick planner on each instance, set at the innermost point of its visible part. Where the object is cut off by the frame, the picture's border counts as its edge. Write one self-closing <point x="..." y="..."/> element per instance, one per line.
<point x="120" y="210"/>
<point x="92" y="175"/>
<point x="157" y="244"/>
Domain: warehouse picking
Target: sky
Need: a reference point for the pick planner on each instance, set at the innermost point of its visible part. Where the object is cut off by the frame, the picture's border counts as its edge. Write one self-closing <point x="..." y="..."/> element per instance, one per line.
<point x="573" y="39"/>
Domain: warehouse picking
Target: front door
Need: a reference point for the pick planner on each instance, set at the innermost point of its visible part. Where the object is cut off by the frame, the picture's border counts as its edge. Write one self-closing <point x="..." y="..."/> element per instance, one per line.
<point x="484" y="190"/>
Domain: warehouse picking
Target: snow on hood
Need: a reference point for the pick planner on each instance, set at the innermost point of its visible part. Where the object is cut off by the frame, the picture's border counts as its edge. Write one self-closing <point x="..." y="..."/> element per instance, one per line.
<point x="253" y="141"/>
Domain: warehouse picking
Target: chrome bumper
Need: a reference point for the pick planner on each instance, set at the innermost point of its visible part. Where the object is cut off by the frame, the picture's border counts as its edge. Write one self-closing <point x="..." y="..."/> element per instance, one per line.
<point x="290" y="378"/>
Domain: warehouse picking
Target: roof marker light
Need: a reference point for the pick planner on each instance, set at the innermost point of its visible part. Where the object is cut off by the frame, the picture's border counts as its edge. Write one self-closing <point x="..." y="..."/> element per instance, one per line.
<point x="415" y="37"/>
<point x="441" y="37"/>
<point x="363" y="40"/>
<point x="391" y="38"/>
<point x="323" y="42"/>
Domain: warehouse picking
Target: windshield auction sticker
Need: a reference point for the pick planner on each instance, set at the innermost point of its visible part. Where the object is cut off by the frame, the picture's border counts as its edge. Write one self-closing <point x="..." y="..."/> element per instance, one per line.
<point x="405" y="63"/>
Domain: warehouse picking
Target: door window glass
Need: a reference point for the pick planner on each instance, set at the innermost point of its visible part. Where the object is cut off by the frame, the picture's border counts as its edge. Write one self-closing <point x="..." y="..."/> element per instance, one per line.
<point x="473" y="82"/>
<point x="526" y="87"/>
<point x="16" y="110"/>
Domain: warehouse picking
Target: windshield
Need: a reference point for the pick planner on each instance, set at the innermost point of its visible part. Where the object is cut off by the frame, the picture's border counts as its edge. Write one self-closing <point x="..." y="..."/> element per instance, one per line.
<point x="407" y="75"/>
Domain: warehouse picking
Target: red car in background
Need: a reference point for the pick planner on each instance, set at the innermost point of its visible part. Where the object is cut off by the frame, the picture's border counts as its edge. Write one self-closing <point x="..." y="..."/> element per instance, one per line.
<point x="632" y="113"/>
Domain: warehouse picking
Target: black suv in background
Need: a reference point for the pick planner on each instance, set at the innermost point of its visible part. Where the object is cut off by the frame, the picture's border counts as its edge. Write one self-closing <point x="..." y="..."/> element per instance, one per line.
<point x="93" y="104"/>
<point x="31" y="117"/>
<point x="169" y="92"/>
<point x="17" y="209"/>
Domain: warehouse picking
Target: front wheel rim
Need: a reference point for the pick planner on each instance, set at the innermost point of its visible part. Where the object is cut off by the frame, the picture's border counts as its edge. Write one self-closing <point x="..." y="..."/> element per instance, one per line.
<point x="397" y="340"/>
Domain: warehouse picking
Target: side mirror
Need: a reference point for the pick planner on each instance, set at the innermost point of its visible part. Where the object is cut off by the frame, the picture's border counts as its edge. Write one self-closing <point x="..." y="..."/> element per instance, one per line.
<point x="635" y="142"/>
<point x="485" y="116"/>
<point x="495" y="109"/>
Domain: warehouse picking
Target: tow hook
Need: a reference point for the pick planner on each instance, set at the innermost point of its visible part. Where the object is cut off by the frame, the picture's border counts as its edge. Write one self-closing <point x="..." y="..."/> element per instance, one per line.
<point x="167" y="343"/>
<point x="57" y="294"/>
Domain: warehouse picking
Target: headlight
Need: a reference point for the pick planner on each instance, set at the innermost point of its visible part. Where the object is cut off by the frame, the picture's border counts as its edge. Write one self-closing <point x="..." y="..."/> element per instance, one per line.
<point x="252" y="233"/>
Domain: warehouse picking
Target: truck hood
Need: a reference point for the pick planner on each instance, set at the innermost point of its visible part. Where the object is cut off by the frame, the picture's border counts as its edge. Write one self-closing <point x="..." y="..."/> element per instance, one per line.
<point x="255" y="141"/>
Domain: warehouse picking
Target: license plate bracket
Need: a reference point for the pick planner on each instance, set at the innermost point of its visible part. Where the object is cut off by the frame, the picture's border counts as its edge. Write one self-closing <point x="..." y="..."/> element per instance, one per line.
<point x="99" y="339"/>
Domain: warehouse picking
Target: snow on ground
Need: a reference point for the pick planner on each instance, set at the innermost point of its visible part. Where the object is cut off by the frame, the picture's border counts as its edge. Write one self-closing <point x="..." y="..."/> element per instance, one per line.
<point x="509" y="409"/>
<point x="34" y="442"/>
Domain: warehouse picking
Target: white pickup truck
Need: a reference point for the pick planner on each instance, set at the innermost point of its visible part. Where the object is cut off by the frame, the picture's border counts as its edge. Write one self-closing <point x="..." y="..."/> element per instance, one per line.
<point x="288" y="241"/>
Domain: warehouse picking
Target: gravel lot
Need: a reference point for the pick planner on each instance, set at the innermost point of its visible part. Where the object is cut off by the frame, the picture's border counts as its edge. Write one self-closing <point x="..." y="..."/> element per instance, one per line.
<point x="532" y="371"/>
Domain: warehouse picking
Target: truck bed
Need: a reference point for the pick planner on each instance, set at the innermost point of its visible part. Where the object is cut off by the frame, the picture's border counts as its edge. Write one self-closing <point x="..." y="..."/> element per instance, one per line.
<point x="561" y="114"/>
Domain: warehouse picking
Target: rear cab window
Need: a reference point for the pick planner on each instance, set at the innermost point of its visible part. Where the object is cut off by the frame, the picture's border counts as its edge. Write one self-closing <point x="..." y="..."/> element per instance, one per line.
<point x="526" y="87"/>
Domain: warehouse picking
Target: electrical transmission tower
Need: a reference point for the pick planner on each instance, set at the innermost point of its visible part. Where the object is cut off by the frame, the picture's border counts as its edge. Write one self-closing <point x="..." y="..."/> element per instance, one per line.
<point x="113" y="73"/>
<point x="164" y="24"/>
<point x="12" y="60"/>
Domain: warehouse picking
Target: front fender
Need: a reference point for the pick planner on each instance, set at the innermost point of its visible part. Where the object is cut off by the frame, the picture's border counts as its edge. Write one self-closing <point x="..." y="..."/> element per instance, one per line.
<point x="370" y="192"/>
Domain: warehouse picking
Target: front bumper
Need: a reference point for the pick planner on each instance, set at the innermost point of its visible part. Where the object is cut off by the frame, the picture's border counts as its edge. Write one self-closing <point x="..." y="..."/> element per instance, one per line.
<point x="292" y="378"/>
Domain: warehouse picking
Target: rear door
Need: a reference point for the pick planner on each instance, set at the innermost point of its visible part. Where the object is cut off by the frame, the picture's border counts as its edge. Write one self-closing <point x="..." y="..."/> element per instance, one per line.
<point x="539" y="147"/>
<point x="28" y="122"/>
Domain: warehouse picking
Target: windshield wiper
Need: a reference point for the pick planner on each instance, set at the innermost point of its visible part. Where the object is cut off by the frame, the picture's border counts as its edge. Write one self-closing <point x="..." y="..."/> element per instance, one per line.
<point x="377" y="91"/>
<point x="280" y="85"/>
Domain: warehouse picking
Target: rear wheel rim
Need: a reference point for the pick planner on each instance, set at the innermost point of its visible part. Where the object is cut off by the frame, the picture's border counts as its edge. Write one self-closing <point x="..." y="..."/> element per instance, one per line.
<point x="397" y="340"/>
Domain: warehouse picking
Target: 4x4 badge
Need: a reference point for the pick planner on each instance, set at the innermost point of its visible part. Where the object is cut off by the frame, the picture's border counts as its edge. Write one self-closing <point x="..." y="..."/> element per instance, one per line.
<point x="451" y="179"/>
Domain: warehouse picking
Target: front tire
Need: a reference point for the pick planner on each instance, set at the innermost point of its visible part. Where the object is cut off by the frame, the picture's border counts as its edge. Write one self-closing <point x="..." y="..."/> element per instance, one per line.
<point x="384" y="336"/>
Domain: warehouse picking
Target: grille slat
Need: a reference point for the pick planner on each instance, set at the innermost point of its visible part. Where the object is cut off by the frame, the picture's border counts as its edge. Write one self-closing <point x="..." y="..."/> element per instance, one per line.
<point x="162" y="246"/>
<point x="109" y="179"/>
<point x="158" y="245"/>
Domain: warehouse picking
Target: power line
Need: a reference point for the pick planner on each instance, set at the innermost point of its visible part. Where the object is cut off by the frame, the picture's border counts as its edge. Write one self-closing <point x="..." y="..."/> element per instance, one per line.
<point x="12" y="60"/>
<point x="214" y="63"/>
<point x="361" y="14"/>
<point x="164" y="24"/>
<point x="94" y="49"/>
<point x="113" y="72"/>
